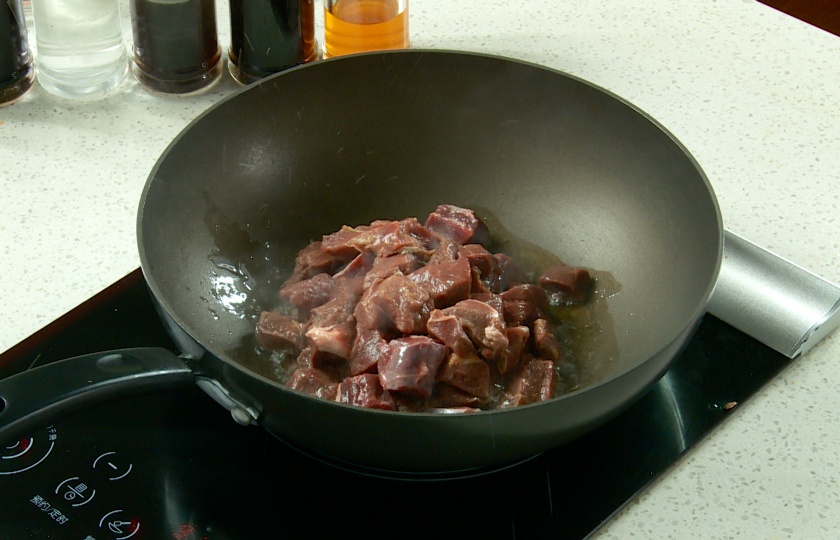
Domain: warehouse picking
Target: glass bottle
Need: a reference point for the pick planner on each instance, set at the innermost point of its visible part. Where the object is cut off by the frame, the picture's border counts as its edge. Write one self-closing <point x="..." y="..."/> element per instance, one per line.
<point x="176" y="47"/>
<point x="81" y="53"/>
<point x="16" y="70"/>
<point x="352" y="26"/>
<point x="268" y="36"/>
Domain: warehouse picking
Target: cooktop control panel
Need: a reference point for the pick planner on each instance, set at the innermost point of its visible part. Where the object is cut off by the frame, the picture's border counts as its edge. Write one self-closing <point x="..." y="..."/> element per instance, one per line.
<point x="81" y="494"/>
<point x="88" y="478"/>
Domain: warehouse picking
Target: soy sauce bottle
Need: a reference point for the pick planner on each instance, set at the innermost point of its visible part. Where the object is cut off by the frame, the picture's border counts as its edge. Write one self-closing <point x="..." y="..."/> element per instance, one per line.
<point x="268" y="36"/>
<point x="176" y="47"/>
<point x="16" y="70"/>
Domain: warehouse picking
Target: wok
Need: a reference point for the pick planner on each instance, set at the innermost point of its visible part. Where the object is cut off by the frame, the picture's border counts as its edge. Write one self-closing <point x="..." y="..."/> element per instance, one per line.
<point x="559" y="162"/>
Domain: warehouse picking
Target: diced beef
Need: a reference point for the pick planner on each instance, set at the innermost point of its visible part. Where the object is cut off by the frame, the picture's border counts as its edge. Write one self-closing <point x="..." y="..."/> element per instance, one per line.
<point x="517" y="343"/>
<point x="545" y="341"/>
<point x="447" y="396"/>
<point x="340" y="243"/>
<point x="486" y="269"/>
<point x="476" y="285"/>
<point x="510" y="273"/>
<point x="332" y="327"/>
<point x="479" y="257"/>
<point x="468" y="373"/>
<point x="356" y="270"/>
<point x="566" y="284"/>
<point x="447" y="282"/>
<point x="277" y="332"/>
<point x="448" y="330"/>
<point x="383" y="267"/>
<point x="460" y="225"/>
<point x="313" y="260"/>
<point x="334" y="339"/>
<point x="311" y="357"/>
<point x="370" y="347"/>
<point x="483" y="325"/>
<point x="385" y="238"/>
<point x="366" y="391"/>
<point x="491" y="299"/>
<point x="523" y="303"/>
<point x="423" y="317"/>
<point x="412" y="366"/>
<point x="308" y="294"/>
<point x="313" y="381"/>
<point x="531" y="383"/>
<point x="395" y="304"/>
<point x="446" y="250"/>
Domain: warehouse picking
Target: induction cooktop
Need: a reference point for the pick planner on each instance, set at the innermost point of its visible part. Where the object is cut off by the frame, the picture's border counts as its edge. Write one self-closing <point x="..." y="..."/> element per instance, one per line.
<point x="174" y="465"/>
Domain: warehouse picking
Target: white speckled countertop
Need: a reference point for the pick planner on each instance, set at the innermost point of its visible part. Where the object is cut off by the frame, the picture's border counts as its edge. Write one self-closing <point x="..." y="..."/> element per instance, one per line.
<point x="754" y="95"/>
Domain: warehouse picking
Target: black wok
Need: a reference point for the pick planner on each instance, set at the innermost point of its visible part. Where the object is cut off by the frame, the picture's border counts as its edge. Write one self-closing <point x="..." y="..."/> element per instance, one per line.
<point x="557" y="161"/>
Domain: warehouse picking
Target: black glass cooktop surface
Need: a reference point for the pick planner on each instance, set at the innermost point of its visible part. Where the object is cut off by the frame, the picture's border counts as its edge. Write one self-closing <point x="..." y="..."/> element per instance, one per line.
<point x="174" y="465"/>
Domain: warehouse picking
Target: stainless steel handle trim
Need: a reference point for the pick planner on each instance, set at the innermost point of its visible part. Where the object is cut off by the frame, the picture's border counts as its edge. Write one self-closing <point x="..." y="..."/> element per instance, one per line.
<point x="773" y="300"/>
<point x="241" y="412"/>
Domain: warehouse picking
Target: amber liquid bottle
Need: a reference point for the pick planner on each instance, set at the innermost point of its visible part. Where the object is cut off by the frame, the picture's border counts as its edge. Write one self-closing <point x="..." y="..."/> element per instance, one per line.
<point x="352" y="26"/>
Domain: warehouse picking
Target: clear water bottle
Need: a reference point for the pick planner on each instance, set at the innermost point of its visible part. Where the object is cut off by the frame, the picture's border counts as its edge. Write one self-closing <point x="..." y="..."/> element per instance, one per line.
<point x="80" y="48"/>
<point x="16" y="70"/>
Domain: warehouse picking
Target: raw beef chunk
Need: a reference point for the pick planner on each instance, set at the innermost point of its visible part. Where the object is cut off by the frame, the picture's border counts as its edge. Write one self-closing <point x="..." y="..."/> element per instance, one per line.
<point x="332" y="328"/>
<point x="491" y="299"/>
<point x="447" y="282"/>
<point x="385" y="238"/>
<point x="364" y="391"/>
<point x="313" y="260"/>
<point x="395" y="305"/>
<point x="412" y="366"/>
<point x="486" y="269"/>
<point x="313" y="381"/>
<point x="531" y="383"/>
<point x="547" y="345"/>
<point x="448" y="396"/>
<point x="278" y="332"/>
<point x="457" y="224"/>
<point x="468" y="373"/>
<point x="448" y="330"/>
<point x="370" y="347"/>
<point x="446" y="250"/>
<point x="510" y="273"/>
<point x="384" y="267"/>
<point x="517" y="345"/>
<point x="566" y="284"/>
<point x="483" y="325"/>
<point x="523" y="303"/>
<point x="308" y="294"/>
<point x="340" y="244"/>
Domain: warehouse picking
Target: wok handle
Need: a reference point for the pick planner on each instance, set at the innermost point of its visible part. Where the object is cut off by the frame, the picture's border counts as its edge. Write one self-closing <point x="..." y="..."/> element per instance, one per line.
<point x="34" y="398"/>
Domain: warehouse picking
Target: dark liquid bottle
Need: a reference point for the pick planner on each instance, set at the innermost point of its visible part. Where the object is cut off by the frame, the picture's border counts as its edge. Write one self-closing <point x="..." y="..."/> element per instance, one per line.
<point x="16" y="70"/>
<point x="176" y="46"/>
<point x="268" y="36"/>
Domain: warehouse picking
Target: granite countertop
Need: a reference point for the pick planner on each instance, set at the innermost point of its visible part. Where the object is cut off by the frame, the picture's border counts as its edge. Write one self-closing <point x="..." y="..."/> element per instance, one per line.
<point x="755" y="96"/>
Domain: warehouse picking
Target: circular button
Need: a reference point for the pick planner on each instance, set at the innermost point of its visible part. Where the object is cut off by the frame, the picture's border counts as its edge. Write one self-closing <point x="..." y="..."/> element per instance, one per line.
<point x="27" y="452"/>
<point x="112" y="466"/>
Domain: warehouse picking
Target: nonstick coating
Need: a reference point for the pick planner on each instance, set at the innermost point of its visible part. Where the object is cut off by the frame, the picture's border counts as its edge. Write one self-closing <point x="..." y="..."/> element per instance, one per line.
<point x="557" y="161"/>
